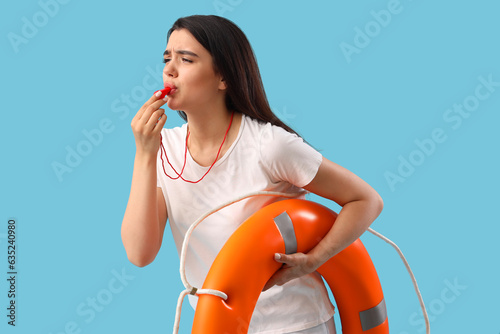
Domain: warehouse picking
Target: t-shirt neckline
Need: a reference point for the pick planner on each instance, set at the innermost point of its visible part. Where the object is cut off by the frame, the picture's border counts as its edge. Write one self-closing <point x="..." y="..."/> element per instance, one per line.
<point x="224" y="157"/>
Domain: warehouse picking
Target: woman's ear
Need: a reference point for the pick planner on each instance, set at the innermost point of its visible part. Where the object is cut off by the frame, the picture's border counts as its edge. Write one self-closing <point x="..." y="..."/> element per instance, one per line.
<point x="222" y="84"/>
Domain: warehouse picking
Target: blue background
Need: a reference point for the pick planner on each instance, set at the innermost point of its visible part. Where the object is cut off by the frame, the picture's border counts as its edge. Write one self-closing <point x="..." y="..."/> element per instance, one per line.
<point x="364" y="110"/>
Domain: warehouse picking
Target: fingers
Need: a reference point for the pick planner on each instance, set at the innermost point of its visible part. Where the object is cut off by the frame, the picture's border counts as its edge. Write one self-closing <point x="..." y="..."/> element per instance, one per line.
<point x="161" y="122"/>
<point x="156" y="121"/>
<point x="290" y="260"/>
<point x="294" y="266"/>
<point x="272" y="281"/>
<point x="150" y="106"/>
<point x="279" y="278"/>
<point x="148" y="109"/>
<point x="149" y="114"/>
<point x="304" y="261"/>
<point x="148" y="123"/>
<point x="280" y="258"/>
<point x="268" y="285"/>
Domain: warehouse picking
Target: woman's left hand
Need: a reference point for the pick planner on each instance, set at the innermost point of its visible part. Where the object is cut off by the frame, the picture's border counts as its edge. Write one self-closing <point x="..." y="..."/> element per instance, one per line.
<point x="295" y="265"/>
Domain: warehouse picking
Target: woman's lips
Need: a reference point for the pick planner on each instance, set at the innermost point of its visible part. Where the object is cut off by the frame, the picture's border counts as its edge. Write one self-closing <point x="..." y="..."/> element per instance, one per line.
<point x="169" y="89"/>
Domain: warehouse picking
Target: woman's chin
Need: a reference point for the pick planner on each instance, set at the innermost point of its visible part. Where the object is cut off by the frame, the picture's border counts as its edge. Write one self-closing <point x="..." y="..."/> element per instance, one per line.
<point x="173" y="105"/>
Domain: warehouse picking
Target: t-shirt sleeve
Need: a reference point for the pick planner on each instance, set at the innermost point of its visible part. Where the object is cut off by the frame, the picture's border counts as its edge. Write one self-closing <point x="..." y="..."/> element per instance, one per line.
<point x="287" y="157"/>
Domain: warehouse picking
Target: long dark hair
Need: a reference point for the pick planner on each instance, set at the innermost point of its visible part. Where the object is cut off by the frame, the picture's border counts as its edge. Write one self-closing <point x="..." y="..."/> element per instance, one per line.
<point x="234" y="59"/>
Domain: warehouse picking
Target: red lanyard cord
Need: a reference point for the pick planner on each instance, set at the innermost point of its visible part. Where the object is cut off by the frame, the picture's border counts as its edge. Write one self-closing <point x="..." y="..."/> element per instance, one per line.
<point x="179" y="175"/>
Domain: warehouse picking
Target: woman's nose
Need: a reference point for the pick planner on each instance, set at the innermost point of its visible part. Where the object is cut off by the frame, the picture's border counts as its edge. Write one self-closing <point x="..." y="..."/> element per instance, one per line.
<point x="170" y="70"/>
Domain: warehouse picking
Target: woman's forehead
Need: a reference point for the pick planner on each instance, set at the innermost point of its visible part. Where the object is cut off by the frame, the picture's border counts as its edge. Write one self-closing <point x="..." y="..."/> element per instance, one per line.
<point x="183" y="40"/>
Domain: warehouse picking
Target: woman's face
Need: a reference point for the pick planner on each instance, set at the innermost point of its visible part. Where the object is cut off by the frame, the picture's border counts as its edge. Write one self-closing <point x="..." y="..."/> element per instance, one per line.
<point x="189" y="70"/>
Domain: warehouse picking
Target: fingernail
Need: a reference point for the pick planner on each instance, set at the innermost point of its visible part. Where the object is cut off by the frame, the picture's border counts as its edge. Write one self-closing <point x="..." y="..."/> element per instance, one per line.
<point x="165" y="98"/>
<point x="158" y="94"/>
<point x="277" y="256"/>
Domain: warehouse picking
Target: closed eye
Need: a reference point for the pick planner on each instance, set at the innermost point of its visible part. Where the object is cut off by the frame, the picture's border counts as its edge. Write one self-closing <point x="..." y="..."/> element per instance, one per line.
<point x="166" y="60"/>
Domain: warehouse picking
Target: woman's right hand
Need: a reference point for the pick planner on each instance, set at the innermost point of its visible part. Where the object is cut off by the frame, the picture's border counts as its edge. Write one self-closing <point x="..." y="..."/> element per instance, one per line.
<point x="147" y="125"/>
<point x="146" y="214"/>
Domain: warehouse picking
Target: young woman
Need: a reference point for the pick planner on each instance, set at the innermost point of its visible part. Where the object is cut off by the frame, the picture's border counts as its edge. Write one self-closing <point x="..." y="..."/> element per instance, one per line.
<point x="233" y="144"/>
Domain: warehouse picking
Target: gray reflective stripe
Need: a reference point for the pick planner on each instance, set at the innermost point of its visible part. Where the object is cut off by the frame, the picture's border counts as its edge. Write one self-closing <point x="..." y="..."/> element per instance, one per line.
<point x="285" y="226"/>
<point x="373" y="316"/>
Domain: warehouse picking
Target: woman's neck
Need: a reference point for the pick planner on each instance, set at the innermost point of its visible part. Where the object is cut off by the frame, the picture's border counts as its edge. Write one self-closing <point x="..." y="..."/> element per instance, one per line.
<point x="207" y="130"/>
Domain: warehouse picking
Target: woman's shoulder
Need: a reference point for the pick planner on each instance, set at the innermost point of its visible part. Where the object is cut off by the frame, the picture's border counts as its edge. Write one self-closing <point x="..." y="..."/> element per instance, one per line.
<point x="266" y="131"/>
<point x="284" y="155"/>
<point x="273" y="141"/>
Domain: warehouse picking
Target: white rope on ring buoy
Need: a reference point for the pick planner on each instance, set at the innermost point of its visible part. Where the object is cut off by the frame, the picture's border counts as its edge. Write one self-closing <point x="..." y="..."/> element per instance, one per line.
<point x="412" y="276"/>
<point x="191" y="289"/>
<point x="195" y="291"/>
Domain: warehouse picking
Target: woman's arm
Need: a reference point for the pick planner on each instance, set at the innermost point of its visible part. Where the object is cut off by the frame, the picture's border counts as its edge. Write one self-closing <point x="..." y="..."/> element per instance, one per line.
<point x="361" y="205"/>
<point x="145" y="217"/>
<point x="146" y="213"/>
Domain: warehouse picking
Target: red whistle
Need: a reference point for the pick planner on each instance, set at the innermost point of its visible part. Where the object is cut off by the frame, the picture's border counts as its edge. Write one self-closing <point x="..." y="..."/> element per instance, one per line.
<point x="164" y="92"/>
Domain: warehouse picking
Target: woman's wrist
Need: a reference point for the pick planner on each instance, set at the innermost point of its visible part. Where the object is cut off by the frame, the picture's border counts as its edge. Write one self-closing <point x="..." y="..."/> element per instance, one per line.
<point x="144" y="158"/>
<point x="319" y="255"/>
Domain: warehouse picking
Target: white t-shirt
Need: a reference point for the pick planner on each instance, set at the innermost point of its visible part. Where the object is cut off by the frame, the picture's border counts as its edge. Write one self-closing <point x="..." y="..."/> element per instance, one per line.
<point x="262" y="158"/>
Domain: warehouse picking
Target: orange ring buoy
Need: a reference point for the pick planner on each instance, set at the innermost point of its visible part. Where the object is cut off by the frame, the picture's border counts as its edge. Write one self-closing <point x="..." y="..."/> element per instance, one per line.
<point x="288" y="226"/>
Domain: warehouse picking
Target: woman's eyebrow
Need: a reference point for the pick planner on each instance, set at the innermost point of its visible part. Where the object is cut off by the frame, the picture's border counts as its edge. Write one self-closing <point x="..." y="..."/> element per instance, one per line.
<point x="181" y="52"/>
